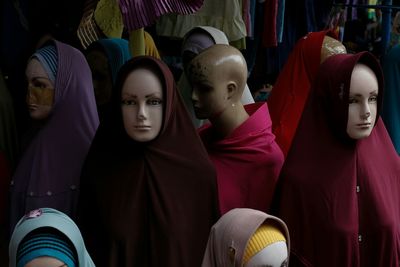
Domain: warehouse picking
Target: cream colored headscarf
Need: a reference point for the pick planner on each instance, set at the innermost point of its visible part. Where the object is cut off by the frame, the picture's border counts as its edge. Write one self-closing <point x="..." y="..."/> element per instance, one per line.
<point x="230" y="235"/>
<point x="183" y="85"/>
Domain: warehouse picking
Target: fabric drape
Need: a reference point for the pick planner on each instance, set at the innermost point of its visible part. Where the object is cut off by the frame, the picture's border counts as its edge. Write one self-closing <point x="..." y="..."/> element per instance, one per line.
<point x="339" y="196"/>
<point x="153" y="203"/>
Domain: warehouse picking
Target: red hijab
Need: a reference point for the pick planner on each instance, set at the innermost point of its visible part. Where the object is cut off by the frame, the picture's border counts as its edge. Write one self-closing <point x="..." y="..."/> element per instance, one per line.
<point x="340" y="197"/>
<point x="153" y="203"/>
<point x="291" y="90"/>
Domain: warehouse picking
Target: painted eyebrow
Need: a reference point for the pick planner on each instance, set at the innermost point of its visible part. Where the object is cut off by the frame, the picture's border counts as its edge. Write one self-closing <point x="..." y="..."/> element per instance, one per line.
<point x="38" y="78"/>
<point x="146" y="96"/>
<point x="372" y="93"/>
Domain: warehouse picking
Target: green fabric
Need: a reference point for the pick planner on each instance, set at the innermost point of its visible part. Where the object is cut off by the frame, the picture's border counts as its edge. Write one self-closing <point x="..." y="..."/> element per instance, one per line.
<point x="47" y="217"/>
<point x="109" y="19"/>
<point x="8" y="132"/>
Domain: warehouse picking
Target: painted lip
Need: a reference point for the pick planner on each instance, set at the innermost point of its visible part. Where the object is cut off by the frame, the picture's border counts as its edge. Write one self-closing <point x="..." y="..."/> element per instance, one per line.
<point x="364" y="125"/>
<point x="142" y="127"/>
<point x="32" y="107"/>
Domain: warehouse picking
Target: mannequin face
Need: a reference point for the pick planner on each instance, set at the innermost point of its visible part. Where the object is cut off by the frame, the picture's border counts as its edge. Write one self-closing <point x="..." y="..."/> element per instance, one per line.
<point x="40" y="95"/>
<point x="362" y="102"/>
<point x="101" y="75"/>
<point x="274" y="255"/>
<point x="210" y="90"/>
<point x="45" y="262"/>
<point x="142" y="105"/>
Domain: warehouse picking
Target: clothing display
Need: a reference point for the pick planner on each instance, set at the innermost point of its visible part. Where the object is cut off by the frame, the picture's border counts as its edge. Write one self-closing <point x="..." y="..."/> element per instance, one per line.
<point x="49" y="170"/>
<point x="144" y="203"/>
<point x="196" y="44"/>
<point x="48" y="232"/>
<point x="248" y="161"/>
<point x="230" y="236"/>
<point x="290" y="92"/>
<point x="337" y="191"/>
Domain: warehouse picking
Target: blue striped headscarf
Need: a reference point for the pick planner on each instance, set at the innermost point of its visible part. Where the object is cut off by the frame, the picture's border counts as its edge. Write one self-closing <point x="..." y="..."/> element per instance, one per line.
<point x="43" y="243"/>
<point x="47" y="55"/>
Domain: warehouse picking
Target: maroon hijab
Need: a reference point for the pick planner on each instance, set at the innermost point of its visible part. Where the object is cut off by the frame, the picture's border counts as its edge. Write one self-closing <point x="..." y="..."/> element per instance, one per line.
<point x="340" y="197"/>
<point x="153" y="203"/>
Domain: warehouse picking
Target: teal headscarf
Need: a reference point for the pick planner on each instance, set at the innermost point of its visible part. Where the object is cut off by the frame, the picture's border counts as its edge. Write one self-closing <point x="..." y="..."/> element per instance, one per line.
<point x="47" y="217"/>
<point x="391" y="97"/>
<point x="117" y="51"/>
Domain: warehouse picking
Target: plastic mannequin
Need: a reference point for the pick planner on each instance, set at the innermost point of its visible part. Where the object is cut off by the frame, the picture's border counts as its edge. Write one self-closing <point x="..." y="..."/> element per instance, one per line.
<point x="142" y="193"/>
<point x="218" y="76"/>
<point x="195" y="41"/>
<point x="40" y="95"/>
<point x="47" y="238"/>
<point x="142" y="105"/>
<point x="248" y="238"/>
<point x="362" y="102"/>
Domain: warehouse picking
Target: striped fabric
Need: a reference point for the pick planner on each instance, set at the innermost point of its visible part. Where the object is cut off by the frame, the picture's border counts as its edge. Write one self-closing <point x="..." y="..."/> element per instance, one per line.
<point x="88" y="31"/>
<point x="48" y="57"/>
<point x="141" y="13"/>
<point x="46" y="244"/>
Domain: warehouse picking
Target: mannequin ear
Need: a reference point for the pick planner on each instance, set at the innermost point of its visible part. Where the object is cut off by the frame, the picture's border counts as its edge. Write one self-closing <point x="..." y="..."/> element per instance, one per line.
<point x="231" y="89"/>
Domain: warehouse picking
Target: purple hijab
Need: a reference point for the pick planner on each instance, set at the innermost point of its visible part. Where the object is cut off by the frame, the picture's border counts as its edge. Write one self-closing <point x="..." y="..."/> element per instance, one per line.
<point x="49" y="170"/>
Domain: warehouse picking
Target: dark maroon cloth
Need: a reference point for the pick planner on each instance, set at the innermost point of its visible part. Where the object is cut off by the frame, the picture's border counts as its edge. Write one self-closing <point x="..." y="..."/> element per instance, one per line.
<point x="340" y="197"/>
<point x="153" y="203"/>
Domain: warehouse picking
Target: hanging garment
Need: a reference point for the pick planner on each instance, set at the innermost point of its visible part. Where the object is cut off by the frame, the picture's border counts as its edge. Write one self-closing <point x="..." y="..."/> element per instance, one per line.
<point x="148" y="203"/>
<point x="49" y="170"/>
<point x="340" y="196"/>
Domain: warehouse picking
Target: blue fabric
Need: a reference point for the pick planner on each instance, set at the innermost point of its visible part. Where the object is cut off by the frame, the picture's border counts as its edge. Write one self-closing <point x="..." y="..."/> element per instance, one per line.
<point x="48" y="57"/>
<point x="391" y="97"/>
<point x="46" y="244"/>
<point x="280" y="20"/>
<point x="118" y="53"/>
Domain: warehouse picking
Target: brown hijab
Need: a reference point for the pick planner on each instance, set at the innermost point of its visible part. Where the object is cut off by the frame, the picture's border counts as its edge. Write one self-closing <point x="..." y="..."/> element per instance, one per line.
<point x="153" y="203"/>
<point x="340" y="197"/>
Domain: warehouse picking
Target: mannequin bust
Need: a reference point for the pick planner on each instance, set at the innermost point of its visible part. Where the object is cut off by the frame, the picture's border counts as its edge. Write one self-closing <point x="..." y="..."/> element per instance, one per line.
<point x="363" y="98"/>
<point x="142" y="105"/>
<point x="248" y="238"/>
<point x="218" y="77"/>
<point x="331" y="46"/>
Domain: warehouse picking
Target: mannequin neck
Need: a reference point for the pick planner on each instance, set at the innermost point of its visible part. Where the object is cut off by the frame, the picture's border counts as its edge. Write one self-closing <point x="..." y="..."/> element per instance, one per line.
<point x="231" y="118"/>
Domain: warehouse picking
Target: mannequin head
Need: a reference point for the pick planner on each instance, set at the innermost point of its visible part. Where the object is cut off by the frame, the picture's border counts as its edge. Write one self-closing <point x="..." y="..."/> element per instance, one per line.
<point x="266" y="247"/>
<point x="142" y="104"/>
<point x="40" y="95"/>
<point x="101" y="75"/>
<point x="218" y="76"/>
<point x="363" y="102"/>
<point x="41" y="75"/>
<point x="331" y="46"/>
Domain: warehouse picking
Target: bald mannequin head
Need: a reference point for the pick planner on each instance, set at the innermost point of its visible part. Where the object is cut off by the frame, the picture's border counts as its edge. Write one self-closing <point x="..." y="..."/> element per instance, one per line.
<point x="218" y="77"/>
<point x="330" y="47"/>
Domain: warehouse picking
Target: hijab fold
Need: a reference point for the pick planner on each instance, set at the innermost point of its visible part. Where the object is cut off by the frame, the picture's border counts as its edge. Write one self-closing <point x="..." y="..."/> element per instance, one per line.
<point x="153" y="203"/>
